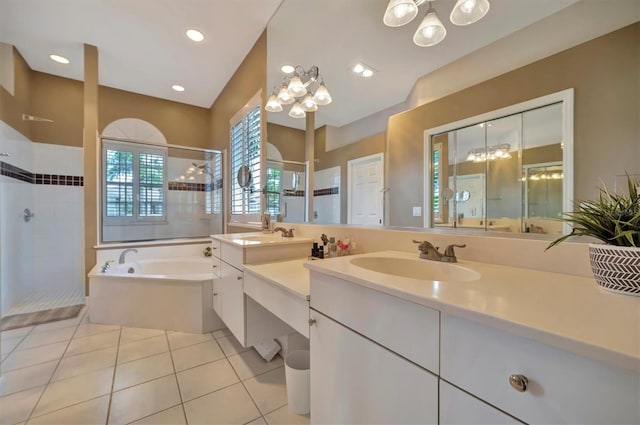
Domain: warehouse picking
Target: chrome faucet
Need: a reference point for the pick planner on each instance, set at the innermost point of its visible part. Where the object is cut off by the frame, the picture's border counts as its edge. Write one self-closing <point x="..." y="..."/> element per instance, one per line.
<point x="285" y="233"/>
<point x="124" y="254"/>
<point x="430" y="252"/>
<point x="106" y="266"/>
<point x="265" y="223"/>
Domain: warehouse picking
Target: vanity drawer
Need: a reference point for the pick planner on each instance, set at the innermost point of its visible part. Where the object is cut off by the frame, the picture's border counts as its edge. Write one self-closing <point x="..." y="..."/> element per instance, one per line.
<point x="562" y="387"/>
<point x="215" y="265"/>
<point x="406" y="328"/>
<point x="215" y="248"/>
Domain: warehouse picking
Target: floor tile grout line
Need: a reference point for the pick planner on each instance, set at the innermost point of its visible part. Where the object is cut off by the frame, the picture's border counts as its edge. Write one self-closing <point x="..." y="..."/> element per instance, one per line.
<point x="17" y="345"/>
<point x="113" y="378"/>
<point x="175" y="375"/>
<point x="33" y="409"/>
<point x="245" y="388"/>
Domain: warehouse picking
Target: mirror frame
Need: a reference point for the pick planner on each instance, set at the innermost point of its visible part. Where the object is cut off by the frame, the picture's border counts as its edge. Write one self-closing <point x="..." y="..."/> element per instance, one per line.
<point x="564" y="96"/>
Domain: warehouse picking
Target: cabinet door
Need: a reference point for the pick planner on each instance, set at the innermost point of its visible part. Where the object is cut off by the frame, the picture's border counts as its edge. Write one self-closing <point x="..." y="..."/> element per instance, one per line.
<point x="354" y="380"/>
<point x="231" y="300"/>
<point x="458" y="407"/>
<point x="217" y="298"/>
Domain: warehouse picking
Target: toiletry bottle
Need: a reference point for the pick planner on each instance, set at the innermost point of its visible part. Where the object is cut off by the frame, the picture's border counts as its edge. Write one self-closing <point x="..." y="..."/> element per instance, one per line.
<point x="321" y="252"/>
<point x="333" y="248"/>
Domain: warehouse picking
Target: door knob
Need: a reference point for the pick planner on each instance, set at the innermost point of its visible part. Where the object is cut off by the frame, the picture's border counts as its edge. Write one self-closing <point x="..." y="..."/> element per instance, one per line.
<point x="519" y="382"/>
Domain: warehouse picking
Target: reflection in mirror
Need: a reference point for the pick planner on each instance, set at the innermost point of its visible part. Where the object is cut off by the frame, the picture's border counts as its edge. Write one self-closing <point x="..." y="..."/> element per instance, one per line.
<point x="503" y="174"/>
<point x="285" y="194"/>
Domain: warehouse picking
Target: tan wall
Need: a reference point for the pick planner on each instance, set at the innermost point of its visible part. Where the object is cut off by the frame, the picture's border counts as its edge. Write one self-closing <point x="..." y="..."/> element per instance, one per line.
<point x="604" y="74"/>
<point x="367" y="146"/>
<point x="13" y="106"/>
<point x="180" y="123"/>
<point x="289" y="141"/>
<point x="249" y="78"/>
<point x="61" y="100"/>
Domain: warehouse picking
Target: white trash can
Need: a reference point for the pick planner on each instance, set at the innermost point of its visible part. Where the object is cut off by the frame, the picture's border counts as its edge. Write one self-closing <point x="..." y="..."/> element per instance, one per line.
<point x="297" y="375"/>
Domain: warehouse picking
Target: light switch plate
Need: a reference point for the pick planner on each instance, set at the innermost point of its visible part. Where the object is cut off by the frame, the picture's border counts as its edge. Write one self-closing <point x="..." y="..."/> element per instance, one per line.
<point x="417" y="211"/>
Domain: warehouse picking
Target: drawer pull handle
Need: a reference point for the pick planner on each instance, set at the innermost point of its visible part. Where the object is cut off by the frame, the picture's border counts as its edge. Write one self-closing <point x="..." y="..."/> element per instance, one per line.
<point x="312" y="322"/>
<point x="215" y="294"/>
<point x="215" y="247"/>
<point x="214" y="266"/>
<point x="519" y="382"/>
<point x="239" y="277"/>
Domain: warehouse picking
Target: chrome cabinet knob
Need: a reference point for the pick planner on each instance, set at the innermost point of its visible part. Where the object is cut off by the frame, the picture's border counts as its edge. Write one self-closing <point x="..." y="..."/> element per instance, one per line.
<point x="312" y="322"/>
<point x="519" y="382"/>
<point x="215" y="294"/>
<point x="239" y="277"/>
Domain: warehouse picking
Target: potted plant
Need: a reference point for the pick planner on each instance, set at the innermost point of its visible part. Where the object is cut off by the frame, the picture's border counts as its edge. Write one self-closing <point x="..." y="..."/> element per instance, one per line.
<point x="614" y="219"/>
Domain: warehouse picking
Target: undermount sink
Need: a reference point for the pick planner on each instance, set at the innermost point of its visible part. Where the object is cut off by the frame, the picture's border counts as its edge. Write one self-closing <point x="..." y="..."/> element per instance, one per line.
<point x="417" y="269"/>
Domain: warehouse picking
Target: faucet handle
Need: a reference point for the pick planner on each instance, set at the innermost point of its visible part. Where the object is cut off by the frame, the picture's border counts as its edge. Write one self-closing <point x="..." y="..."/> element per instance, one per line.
<point x="449" y="252"/>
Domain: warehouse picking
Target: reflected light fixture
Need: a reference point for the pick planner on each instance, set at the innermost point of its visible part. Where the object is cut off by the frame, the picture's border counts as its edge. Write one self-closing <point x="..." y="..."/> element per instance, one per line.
<point x="287" y="69"/>
<point x="59" y="59"/>
<point x="363" y="70"/>
<point x="177" y="87"/>
<point x="431" y="31"/>
<point x="304" y="89"/>
<point x="491" y="153"/>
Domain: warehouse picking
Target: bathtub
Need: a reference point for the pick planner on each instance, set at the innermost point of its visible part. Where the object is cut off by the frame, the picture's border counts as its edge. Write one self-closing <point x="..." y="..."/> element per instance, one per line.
<point x="169" y="293"/>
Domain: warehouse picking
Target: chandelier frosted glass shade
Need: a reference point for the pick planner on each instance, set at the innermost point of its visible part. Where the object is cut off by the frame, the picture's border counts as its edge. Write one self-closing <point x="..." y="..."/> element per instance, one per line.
<point x="284" y="97"/>
<point x="304" y="89"/>
<point x="399" y="12"/>
<point x="273" y="105"/>
<point x="466" y="12"/>
<point x="321" y="96"/>
<point x="297" y="111"/>
<point x="431" y="31"/>
<point x="308" y="105"/>
<point x="296" y="88"/>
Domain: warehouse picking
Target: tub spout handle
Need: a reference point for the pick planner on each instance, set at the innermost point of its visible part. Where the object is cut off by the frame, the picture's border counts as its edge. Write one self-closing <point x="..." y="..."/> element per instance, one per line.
<point x="107" y="265"/>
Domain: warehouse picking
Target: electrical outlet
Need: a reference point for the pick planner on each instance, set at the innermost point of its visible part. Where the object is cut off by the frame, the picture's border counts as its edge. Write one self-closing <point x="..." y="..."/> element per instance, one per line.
<point x="417" y="211"/>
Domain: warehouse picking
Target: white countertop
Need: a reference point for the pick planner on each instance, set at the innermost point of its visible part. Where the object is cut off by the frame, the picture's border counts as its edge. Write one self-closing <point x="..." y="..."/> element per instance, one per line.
<point x="258" y="239"/>
<point x="288" y="275"/>
<point x="565" y="311"/>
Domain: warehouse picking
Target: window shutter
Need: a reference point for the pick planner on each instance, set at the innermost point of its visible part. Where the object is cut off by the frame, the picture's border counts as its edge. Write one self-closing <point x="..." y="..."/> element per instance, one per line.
<point x="119" y="183"/>
<point x="151" y="190"/>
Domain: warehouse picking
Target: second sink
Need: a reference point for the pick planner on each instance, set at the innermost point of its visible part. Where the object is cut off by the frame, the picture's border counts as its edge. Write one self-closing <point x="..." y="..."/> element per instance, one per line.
<point x="417" y="269"/>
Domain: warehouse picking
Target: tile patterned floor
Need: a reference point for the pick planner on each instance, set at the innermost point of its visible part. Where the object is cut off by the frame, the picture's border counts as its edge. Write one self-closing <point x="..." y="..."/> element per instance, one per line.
<point x="75" y="372"/>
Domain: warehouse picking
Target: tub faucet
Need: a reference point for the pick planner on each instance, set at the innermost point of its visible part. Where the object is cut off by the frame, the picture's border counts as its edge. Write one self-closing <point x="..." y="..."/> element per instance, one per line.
<point x="285" y="233"/>
<point x="430" y="252"/>
<point x="124" y="254"/>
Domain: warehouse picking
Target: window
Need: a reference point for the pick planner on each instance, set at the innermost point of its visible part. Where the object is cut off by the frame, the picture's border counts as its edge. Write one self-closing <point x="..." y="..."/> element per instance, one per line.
<point x="245" y="147"/>
<point x="274" y="187"/>
<point x="214" y="179"/>
<point x="134" y="183"/>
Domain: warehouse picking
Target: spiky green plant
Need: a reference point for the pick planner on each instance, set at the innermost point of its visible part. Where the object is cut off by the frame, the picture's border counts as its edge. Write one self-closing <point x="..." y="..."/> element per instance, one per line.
<point x="613" y="218"/>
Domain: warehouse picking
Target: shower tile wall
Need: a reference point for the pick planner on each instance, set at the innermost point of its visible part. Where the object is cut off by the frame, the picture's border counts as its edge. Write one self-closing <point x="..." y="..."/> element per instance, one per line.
<point x="45" y="255"/>
<point x="326" y="197"/>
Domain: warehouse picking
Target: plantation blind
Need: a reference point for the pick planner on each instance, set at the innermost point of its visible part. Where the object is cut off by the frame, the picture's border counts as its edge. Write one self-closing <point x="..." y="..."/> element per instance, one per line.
<point x="134" y="182"/>
<point x="245" y="150"/>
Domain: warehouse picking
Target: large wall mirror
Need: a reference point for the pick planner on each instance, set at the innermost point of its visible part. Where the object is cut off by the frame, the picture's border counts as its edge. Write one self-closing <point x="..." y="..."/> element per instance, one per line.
<point x="525" y="179"/>
<point x="509" y="170"/>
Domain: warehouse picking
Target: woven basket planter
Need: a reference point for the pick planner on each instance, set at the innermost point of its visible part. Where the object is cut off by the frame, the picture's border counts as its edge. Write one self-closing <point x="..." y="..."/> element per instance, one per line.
<point x="616" y="268"/>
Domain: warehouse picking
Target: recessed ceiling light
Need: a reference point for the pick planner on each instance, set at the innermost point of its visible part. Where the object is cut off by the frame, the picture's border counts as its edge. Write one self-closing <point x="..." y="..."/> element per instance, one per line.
<point x="177" y="87"/>
<point x="287" y="69"/>
<point x="358" y="68"/>
<point x="367" y="73"/>
<point x="59" y="59"/>
<point x="195" y="35"/>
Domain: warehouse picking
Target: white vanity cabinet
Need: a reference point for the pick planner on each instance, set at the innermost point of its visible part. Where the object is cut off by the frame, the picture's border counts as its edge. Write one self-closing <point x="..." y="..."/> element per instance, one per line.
<point x="460" y="408"/>
<point x="247" y="320"/>
<point x="562" y="387"/>
<point x="367" y="357"/>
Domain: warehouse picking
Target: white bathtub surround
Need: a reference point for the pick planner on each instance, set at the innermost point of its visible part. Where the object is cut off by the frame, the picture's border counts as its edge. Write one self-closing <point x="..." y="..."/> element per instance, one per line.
<point x="170" y="294"/>
<point x="36" y="267"/>
<point x="153" y="249"/>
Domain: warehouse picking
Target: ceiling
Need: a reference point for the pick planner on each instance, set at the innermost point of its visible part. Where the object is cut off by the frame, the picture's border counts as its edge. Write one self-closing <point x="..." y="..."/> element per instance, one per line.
<point x="143" y="49"/>
<point x="141" y="43"/>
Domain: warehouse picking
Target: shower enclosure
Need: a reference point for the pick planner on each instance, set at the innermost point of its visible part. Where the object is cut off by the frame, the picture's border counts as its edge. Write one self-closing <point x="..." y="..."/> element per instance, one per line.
<point x="41" y="224"/>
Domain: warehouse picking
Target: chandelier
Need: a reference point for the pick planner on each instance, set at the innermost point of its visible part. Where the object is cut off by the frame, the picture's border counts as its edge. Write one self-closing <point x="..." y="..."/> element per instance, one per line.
<point x="304" y="89"/>
<point x="431" y="31"/>
<point x="491" y="153"/>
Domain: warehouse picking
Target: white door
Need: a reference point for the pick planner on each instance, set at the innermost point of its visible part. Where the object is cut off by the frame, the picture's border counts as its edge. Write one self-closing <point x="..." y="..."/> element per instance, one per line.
<point x="365" y="177"/>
